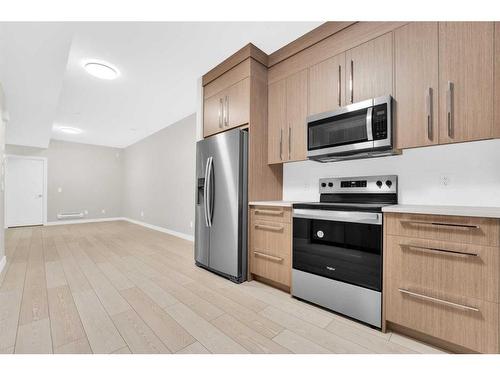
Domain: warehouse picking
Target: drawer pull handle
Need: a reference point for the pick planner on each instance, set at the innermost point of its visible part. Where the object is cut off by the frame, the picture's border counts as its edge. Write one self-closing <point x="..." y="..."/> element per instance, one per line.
<point x="437" y="300"/>
<point x="450" y="252"/>
<point x="465" y="226"/>
<point x="267" y="256"/>
<point x="269" y="212"/>
<point x="268" y="227"/>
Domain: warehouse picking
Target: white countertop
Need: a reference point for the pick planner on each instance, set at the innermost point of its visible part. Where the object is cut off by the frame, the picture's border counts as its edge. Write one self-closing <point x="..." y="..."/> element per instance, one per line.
<point x="492" y="212"/>
<point x="272" y="203"/>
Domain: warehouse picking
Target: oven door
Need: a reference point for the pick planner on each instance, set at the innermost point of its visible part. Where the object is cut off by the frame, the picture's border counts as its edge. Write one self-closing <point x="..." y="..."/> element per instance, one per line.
<point x="339" y="245"/>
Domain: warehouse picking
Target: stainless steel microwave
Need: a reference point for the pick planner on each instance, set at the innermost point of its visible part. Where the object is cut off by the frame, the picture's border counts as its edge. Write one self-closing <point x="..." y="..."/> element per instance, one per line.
<point x="356" y="131"/>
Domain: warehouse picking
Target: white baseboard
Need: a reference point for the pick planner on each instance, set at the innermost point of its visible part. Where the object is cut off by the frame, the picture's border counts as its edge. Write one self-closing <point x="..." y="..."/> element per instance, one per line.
<point x="184" y="236"/>
<point x="3" y="262"/>
<point x="83" y="221"/>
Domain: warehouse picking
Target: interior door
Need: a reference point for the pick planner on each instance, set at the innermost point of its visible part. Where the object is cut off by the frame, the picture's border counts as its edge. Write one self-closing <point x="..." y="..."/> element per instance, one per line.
<point x="416" y="84"/>
<point x="226" y="191"/>
<point x="296" y="109"/>
<point x="24" y="190"/>
<point x="276" y="122"/>
<point x="369" y="69"/>
<point x="465" y="62"/>
<point x="326" y="85"/>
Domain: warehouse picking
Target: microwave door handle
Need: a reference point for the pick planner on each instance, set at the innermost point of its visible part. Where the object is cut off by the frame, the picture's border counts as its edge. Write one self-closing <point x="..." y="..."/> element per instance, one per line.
<point x="369" y="132"/>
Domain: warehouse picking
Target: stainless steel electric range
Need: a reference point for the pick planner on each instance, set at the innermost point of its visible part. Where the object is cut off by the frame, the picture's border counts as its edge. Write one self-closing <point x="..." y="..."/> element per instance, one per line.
<point x="337" y="246"/>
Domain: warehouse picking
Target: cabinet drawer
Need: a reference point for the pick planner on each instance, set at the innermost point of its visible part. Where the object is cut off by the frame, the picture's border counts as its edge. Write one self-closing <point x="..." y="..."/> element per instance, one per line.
<point x="471" y="230"/>
<point x="444" y="267"/>
<point x="271" y="238"/>
<point x="277" y="214"/>
<point x="467" y="322"/>
<point x="272" y="267"/>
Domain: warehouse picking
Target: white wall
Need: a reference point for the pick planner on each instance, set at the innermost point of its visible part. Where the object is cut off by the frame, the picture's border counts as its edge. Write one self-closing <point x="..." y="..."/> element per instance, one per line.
<point x="159" y="178"/>
<point x="90" y="178"/>
<point x="473" y="170"/>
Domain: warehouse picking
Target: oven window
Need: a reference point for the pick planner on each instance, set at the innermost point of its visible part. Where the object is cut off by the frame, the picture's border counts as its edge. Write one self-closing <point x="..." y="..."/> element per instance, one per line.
<point x="348" y="252"/>
<point x="339" y="130"/>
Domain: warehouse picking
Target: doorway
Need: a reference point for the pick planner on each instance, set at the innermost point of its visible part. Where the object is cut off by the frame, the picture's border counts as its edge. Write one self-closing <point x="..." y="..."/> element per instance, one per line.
<point x="25" y="191"/>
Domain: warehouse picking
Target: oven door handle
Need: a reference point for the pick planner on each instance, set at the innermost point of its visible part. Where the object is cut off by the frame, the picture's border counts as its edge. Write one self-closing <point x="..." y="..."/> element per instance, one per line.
<point x="342" y="216"/>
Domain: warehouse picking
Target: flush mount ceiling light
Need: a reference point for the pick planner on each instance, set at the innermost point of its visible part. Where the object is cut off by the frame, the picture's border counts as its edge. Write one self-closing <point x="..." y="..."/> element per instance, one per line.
<point x="68" y="129"/>
<point x="101" y="69"/>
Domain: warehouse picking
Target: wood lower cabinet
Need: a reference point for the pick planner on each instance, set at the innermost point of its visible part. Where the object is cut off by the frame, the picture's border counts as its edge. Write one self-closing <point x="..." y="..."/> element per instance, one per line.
<point x="466" y="64"/>
<point x="327" y="85"/>
<point x="369" y="69"/>
<point x="270" y="246"/>
<point x="441" y="279"/>
<point x="287" y="115"/>
<point x="416" y="84"/>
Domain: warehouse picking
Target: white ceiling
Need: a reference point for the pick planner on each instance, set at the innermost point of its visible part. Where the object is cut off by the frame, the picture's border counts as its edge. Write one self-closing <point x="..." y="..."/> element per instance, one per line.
<point x="160" y="64"/>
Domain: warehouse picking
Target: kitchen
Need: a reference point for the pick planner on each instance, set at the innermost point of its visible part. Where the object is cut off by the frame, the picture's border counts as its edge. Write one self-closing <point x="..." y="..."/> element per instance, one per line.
<point x="372" y="247"/>
<point x="304" y="188"/>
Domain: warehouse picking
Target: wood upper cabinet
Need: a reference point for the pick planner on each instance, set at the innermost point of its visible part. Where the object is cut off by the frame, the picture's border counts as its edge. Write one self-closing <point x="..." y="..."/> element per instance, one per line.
<point x="416" y="84"/>
<point x="276" y="121"/>
<point x="287" y="113"/>
<point x="227" y="109"/>
<point x="496" y="127"/>
<point x="466" y="81"/>
<point x="369" y="69"/>
<point x="296" y="105"/>
<point x="327" y="85"/>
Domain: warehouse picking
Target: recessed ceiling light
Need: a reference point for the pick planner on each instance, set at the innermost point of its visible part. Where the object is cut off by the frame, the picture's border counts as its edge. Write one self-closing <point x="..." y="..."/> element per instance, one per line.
<point x="68" y="129"/>
<point x="101" y="69"/>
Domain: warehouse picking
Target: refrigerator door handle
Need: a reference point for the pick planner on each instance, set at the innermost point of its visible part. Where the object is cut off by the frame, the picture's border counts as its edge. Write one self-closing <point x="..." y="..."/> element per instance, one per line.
<point x="205" y="193"/>
<point x="208" y="184"/>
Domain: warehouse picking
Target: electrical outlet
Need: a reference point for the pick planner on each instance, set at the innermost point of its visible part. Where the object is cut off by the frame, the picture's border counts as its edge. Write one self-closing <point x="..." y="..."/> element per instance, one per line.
<point x="142" y="213"/>
<point x="86" y="212"/>
<point x="190" y="224"/>
<point x="59" y="189"/>
<point x="103" y="211"/>
<point x="445" y="180"/>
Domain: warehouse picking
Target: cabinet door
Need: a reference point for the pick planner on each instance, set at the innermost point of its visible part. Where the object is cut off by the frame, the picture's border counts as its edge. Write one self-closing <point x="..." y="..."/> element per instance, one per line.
<point x="326" y="85"/>
<point x="276" y="122"/>
<point x="496" y="127"/>
<point x="212" y="115"/>
<point x="369" y="69"/>
<point x="466" y="81"/>
<point x="296" y="108"/>
<point x="237" y="104"/>
<point x="416" y="84"/>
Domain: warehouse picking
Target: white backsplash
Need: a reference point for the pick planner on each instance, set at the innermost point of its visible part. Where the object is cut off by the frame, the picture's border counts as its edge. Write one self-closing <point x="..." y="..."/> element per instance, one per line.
<point x="472" y="171"/>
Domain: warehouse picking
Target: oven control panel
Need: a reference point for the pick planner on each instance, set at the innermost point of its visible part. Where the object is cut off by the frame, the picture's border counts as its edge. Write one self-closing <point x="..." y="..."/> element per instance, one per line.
<point x="364" y="184"/>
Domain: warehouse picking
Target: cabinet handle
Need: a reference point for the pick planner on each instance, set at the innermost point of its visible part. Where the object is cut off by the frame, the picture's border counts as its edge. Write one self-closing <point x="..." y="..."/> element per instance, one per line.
<point x="289" y="142"/>
<point x="449" y="108"/>
<point x="281" y="144"/>
<point x="221" y="112"/>
<point x="447" y="252"/>
<point x="464" y="226"/>
<point x="351" y="81"/>
<point x="428" y="106"/>
<point x="339" y="88"/>
<point x="437" y="300"/>
<point x="269" y="212"/>
<point x="267" y="256"/>
<point x="268" y="227"/>
<point x="227" y="110"/>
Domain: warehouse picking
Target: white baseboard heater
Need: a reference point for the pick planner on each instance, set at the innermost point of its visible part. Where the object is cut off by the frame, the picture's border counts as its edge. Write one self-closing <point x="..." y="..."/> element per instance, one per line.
<point x="70" y="215"/>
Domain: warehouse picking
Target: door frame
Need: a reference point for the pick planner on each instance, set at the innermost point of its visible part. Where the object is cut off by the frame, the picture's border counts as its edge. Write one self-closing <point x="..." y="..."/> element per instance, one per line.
<point x="44" y="183"/>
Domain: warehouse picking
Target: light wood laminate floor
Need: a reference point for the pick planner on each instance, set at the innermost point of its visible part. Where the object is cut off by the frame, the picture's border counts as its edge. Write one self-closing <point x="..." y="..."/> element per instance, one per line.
<point x="116" y="287"/>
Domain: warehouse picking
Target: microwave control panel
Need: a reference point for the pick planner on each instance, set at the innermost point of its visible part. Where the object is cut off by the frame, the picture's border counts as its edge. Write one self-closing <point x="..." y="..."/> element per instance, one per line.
<point x="379" y="122"/>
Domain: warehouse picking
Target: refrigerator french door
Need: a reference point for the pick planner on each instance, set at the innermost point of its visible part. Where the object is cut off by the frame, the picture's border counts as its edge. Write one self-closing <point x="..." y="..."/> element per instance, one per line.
<point x="221" y="204"/>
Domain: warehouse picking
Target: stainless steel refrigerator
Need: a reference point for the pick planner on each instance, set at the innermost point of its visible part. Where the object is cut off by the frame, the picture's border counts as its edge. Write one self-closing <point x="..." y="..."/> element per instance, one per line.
<point x="221" y="204"/>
